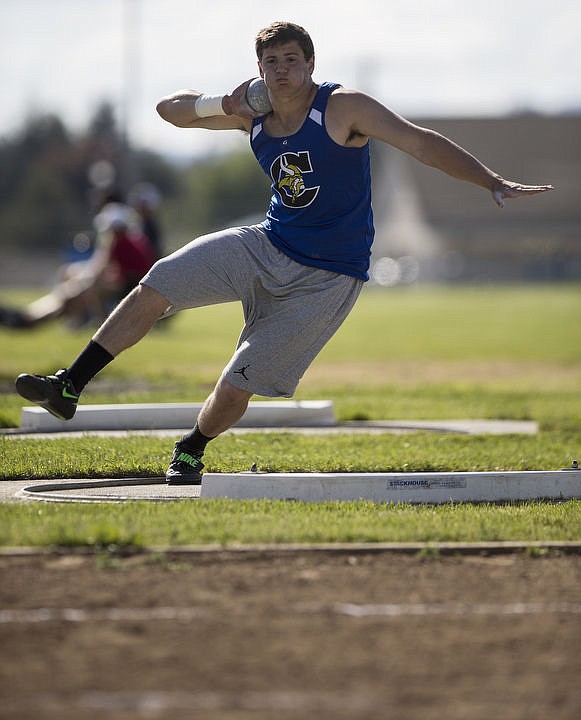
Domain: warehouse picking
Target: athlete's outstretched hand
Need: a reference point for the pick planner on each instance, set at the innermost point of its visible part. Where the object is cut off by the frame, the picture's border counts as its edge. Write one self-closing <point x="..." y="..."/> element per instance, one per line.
<point x="505" y="189"/>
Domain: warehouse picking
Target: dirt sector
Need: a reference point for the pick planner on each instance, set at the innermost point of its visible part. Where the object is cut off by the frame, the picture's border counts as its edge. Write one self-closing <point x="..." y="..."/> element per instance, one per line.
<point x="290" y="634"/>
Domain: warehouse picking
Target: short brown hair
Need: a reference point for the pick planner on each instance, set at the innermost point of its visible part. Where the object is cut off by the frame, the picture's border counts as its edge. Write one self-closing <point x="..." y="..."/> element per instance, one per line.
<point x="282" y="32"/>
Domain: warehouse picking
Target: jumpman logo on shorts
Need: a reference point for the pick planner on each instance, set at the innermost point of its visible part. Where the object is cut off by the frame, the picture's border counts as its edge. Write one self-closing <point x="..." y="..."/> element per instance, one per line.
<point x="242" y="371"/>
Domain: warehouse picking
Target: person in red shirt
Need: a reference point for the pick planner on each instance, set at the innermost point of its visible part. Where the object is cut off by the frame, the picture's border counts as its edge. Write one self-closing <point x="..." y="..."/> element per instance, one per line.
<point x="88" y="290"/>
<point x="123" y="254"/>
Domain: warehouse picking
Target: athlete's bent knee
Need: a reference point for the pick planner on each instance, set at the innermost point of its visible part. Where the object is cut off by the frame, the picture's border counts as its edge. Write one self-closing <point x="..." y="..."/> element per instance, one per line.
<point x="150" y="297"/>
<point x="230" y="394"/>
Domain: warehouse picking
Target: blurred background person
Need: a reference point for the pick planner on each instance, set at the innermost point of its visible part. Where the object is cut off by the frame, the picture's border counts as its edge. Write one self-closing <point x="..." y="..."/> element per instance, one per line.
<point x="145" y="199"/>
<point x="87" y="290"/>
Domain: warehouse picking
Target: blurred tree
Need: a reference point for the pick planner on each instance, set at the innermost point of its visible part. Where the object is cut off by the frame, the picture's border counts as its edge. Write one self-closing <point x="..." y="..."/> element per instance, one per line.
<point x="35" y="202"/>
<point x="217" y="192"/>
<point x="49" y="189"/>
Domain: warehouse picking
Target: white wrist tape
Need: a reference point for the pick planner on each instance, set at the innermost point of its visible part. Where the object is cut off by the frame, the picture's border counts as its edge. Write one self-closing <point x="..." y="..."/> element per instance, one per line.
<point x="208" y="105"/>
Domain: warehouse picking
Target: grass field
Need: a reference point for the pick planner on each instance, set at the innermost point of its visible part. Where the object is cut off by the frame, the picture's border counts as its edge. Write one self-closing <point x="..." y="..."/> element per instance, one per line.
<point x="416" y="353"/>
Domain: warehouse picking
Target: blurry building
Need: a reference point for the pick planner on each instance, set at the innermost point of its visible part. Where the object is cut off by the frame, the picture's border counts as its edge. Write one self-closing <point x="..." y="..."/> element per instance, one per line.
<point x="432" y="227"/>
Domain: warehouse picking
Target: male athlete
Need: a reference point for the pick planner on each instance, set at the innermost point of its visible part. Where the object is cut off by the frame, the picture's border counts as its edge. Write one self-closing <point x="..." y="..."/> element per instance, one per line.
<point x="297" y="274"/>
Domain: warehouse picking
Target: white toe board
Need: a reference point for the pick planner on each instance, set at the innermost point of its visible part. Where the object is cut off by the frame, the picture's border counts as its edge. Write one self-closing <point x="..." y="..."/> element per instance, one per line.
<point x="434" y="487"/>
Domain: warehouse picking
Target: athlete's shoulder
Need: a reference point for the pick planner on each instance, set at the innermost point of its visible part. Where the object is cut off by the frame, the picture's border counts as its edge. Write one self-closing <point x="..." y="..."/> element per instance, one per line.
<point x="344" y="107"/>
<point x="346" y="100"/>
<point x="346" y="94"/>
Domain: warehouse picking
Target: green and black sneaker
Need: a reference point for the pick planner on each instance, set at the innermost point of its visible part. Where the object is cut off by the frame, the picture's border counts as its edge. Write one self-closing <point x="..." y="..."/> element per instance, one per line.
<point x="184" y="468"/>
<point x="54" y="393"/>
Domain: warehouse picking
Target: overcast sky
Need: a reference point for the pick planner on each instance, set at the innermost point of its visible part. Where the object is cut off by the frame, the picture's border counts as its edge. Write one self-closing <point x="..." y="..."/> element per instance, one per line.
<point x="451" y="57"/>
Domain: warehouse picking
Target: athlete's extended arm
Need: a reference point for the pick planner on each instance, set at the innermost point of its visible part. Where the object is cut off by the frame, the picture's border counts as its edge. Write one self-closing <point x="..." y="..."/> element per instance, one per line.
<point x="232" y="111"/>
<point x="372" y="119"/>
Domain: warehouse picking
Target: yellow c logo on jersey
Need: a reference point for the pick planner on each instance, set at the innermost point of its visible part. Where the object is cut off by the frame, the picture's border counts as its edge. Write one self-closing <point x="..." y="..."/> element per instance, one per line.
<point x="287" y="173"/>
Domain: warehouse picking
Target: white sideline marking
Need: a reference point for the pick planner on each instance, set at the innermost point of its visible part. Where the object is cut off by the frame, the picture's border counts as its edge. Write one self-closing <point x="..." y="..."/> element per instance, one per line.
<point x="149" y="704"/>
<point x="79" y="615"/>
<point x="154" y="702"/>
<point x="187" y="614"/>
<point x="451" y="609"/>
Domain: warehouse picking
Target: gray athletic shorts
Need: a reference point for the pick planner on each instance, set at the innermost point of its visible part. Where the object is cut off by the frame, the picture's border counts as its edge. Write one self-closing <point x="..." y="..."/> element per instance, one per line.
<point x="290" y="310"/>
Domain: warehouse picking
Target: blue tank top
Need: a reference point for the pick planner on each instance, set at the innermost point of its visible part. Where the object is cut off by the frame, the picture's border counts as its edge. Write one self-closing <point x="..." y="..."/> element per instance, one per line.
<point x="320" y="211"/>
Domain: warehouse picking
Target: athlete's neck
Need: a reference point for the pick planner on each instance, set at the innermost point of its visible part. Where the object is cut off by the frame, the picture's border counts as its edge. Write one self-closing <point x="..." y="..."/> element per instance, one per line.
<point x="289" y="113"/>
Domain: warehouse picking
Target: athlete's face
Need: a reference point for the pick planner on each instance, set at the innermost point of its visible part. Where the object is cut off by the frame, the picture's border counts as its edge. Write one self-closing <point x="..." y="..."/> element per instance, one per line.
<point x="284" y="67"/>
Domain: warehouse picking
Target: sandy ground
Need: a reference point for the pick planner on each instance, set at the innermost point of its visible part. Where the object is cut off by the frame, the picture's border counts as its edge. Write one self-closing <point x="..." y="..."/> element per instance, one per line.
<point x="293" y="634"/>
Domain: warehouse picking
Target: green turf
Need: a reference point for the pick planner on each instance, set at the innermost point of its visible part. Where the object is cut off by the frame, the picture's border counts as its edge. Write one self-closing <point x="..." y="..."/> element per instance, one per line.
<point x="136" y="456"/>
<point x="416" y="353"/>
<point x="228" y="522"/>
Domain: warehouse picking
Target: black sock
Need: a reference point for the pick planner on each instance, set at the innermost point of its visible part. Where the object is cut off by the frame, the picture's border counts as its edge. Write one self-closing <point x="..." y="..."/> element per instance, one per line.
<point x="91" y="361"/>
<point x="195" y="441"/>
